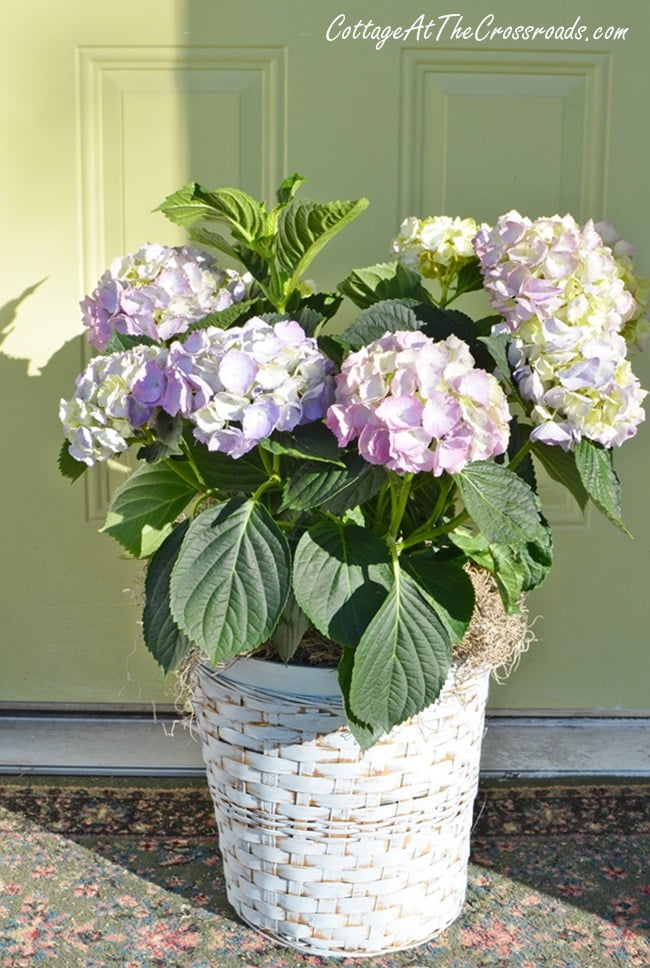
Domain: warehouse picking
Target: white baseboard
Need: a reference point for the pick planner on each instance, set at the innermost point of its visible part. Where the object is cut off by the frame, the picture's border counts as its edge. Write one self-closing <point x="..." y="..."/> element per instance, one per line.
<point x="125" y="745"/>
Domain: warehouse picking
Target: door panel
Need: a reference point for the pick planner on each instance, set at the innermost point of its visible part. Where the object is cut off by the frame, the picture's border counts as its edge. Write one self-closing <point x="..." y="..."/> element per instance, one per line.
<point x="109" y="106"/>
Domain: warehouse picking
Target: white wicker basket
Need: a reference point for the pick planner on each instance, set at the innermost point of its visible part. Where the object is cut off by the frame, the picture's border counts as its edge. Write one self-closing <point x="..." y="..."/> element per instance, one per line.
<point x="326" y="849"/>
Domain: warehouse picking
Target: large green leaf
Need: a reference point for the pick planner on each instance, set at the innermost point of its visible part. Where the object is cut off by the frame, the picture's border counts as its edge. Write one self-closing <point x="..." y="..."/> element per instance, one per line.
<point x="245" y="217"/>
<point x="142" y="510"/>
<point x="232" y="578"/>
<point x="561" y="466"/>
<point x="336" y="488"/>
<point x="402" y="660"/>
<point x="311" y="441"/>
<point x="501" y="504"/>
<point x="386" y="280"/>
<point x="364" y="734"/>
<point x="305" y="227"/>
<point x="223" y="473"/>
<point x="161" y="634"/>
<point x="447" y="585"/>
<point x="341" y="574"/>
<point x="388" y="316"/>
<point x="596" y="468"/>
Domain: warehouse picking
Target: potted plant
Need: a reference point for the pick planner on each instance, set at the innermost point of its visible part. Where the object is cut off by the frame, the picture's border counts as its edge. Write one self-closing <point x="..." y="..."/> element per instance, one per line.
<point x="358" y="489"/>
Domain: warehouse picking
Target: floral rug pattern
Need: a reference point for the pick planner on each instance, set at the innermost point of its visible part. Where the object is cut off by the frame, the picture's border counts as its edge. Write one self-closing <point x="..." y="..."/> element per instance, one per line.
<point x="127" y="873"/>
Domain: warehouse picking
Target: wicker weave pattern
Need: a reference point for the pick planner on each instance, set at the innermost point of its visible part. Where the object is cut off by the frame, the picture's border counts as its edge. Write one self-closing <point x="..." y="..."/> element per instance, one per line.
<point x="329" y="850"/>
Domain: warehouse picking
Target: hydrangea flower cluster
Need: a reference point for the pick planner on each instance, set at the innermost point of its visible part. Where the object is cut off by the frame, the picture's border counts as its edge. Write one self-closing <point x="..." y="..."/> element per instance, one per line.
<point x="158" y="292"/>
<point x="563" y="297"/>
<point x="102" y="415"/>
<point x="236" y="386"/>
<point x="637" y="329"/>
<point x="419" y="405"/>
<point x="263" y="378"/>
<point x="436" y="247"/>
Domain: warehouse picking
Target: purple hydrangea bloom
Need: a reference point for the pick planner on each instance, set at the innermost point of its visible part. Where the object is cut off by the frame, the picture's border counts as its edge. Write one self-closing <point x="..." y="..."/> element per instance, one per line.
<point x="158" y="292"/>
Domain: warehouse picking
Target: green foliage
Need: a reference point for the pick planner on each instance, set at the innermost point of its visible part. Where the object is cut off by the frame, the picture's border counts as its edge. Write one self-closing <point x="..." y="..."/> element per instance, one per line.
<point x="340" y="578"/>
<point x="143" y="509"/>
<point x="596" y="468"/>
<point x="231" y="580"/>
<point x="500" y="503"/>
<point x="388" y="316"/>
<point x="387" y="280"/>
<point x="162" y="636"/>
<point x="68" y="466"/>
<point x="310" y="441"/>
<point x="402" y="659"/>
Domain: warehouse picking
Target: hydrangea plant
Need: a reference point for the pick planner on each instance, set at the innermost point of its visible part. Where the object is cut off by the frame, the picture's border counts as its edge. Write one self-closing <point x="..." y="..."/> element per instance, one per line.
<point x="294" y="480"/>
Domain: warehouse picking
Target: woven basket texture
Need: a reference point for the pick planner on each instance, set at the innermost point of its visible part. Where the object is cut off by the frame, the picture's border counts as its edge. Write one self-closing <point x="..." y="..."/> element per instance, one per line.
<point x="333" y="851"/>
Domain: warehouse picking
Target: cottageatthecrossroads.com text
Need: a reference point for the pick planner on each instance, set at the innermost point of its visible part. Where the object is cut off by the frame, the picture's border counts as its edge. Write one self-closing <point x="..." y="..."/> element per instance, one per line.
<point x="454" y="26"/>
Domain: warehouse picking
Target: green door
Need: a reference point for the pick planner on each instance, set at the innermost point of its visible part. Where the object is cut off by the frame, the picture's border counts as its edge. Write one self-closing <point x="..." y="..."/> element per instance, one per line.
<point x="109" y="106"/>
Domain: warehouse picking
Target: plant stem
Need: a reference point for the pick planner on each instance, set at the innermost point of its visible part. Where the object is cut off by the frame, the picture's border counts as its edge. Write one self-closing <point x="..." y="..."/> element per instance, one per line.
<point x="190" y="459"/>
<point x="399" y="496"/>
<point x="523" y="452"/>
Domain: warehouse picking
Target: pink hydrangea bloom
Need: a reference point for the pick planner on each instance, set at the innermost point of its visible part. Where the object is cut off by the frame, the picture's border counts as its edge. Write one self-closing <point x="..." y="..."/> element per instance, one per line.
<point x="414" y="405"/>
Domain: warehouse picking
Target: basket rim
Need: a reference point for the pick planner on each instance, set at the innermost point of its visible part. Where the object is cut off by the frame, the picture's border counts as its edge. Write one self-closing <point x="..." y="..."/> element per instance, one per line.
<point x="289" y="680"/>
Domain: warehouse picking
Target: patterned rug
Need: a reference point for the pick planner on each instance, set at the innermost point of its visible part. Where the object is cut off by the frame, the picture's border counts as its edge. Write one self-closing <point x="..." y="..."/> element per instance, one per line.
<point x="127" y="873"/>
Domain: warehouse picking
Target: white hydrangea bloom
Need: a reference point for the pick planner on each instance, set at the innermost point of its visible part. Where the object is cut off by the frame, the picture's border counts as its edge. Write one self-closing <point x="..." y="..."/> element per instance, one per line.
<point x="436" y="246"/>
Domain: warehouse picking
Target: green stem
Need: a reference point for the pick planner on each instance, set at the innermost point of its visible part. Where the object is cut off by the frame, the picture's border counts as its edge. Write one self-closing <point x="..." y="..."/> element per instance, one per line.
<point x="523" y="452"/>
<point x="266" y="486"/>
<point x="421" y="536"/>
<point x="190" y="459"/>
<point x="399" y="496"/>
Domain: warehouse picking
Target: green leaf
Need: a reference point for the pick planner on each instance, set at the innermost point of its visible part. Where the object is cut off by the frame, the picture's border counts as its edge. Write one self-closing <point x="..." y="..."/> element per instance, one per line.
<point x="497" y="347"/>
<point x="388" y="316"/>
<point x="143" y="508"/>
<point x="438" y="324"/>
<point x="364" y="734"/>
<point x="341" y="574"/>
<point x="501" y="504"/>
<point x="289" y="187"/>
<point x="386" y="280"/>
<point x="290" y="629"/>
<point x="124" y="341"/>
<point x="304" y="228"/>
<point x="325" y="304"/>
<point x="561" y="466"/>
<point x="336" y="488"/>
<point x="245" y="217"/>
<point x="312" y="442"/>
<point x="168" y="431"/>
<point x="233" y="315"/>
<point x="162" y="635"/>
<point x="68" y="466"/>
<point x="474" y="547"/>
<point x="469" y="278"/>
<point x="595" y="466"/>
<point x="402" y="660"/>
<point x="223" y="473"/>
<point x="232" y="578"/>
<point x="448" y="586"/>
<point x="521" y="568"/>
